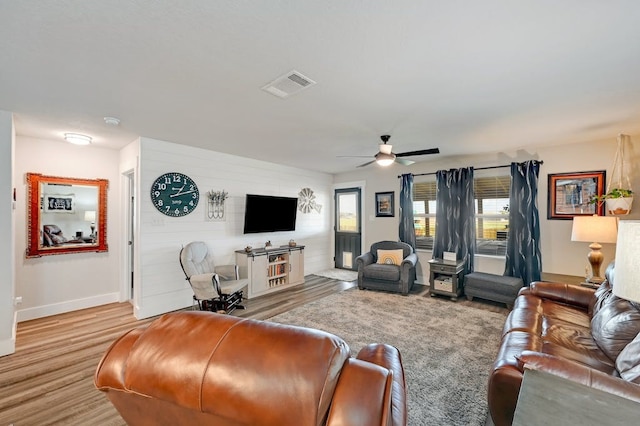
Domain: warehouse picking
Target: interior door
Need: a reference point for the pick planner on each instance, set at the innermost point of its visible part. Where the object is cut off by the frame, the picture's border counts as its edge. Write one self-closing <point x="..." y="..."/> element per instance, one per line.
<point x="348" y="227"/>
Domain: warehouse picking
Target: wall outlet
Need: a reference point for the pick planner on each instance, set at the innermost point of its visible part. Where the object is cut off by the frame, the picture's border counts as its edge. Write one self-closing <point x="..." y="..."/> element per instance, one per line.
<point x="17" y="300"/>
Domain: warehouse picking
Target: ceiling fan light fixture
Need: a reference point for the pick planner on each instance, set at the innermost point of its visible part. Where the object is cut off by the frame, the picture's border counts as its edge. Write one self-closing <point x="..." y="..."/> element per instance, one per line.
<point x="384" y="159"/>
<point x="77" y="139"/>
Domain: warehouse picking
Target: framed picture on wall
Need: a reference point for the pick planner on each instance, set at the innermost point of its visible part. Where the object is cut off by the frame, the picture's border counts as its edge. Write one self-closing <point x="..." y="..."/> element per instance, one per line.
<point x="385" y="204"/>
<point x="569" y="194"/>
<point x="54" y="203"/>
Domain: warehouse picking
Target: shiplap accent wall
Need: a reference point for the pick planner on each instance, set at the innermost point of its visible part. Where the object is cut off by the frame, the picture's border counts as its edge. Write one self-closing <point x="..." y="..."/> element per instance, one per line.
<point x="162" y="285"/>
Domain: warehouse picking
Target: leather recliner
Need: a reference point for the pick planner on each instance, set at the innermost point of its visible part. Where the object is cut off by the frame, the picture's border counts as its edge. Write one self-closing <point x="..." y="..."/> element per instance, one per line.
<point x="52" y="236"/>
<point x="205" y="368"/>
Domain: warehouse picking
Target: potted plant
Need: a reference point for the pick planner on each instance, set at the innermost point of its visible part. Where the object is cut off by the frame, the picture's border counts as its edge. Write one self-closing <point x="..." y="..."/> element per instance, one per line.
<point x="618" y="201"/>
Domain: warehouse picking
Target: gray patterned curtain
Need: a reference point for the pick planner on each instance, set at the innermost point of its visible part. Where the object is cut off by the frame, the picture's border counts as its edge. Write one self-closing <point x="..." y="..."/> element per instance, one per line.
<point x="524" y="259"/>
<point x="407" y="230"/>
<point x="455" y="215"/>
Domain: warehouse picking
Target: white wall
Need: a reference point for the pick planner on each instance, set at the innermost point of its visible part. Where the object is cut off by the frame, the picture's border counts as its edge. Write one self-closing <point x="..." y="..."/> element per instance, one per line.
<point x="7" y="217"/>
<point x="162" y="283"/>
<point x="559" y="254"/>
<point x="54" y="284"/>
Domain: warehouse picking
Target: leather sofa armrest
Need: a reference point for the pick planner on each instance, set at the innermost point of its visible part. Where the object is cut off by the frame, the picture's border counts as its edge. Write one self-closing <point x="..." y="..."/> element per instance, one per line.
<point x="580" y="373"/>
<point x="569" y="294"/>
<point x="363" y="396"/>
<point x="365" y="259"/>
<point x="111" y="368"/>
<point x="389" y="357"/>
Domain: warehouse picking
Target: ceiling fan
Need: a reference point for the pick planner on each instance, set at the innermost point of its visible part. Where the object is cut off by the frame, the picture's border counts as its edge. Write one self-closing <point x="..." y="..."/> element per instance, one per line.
<point x="385" y="157"/>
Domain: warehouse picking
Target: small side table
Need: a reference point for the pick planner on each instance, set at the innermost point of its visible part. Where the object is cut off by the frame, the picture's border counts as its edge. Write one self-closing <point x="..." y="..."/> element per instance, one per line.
<point x="446" y="278"/>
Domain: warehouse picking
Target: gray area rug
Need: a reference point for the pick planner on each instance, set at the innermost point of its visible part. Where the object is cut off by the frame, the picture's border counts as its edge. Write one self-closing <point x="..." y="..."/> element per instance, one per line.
<point x="338" y="274"/>
<point x="447" y="348"/>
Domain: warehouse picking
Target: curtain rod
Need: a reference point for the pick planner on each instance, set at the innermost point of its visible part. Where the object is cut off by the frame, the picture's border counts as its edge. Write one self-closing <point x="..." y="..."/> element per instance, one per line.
<point x="475" y="168"/>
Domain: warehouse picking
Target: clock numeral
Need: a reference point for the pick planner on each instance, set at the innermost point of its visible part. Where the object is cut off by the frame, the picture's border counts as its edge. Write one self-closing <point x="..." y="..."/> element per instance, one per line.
<point x="160" y="203"/>
<point x="156" y="194"/>
<point x="177" y="212"/>
<point x="176" y="178"/>
<point x="185" y="209"/>
<point x="167" y="209"/>
<point x="167" y="180"/>
<point x="161" y="187"/>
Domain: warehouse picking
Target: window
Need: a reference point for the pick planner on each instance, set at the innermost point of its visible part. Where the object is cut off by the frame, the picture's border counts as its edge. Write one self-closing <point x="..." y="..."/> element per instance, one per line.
<point x="491" y="195"/>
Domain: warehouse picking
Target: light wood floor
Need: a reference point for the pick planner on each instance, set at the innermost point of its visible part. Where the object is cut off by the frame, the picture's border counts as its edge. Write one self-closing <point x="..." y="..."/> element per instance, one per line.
<point x="49" y="379"/>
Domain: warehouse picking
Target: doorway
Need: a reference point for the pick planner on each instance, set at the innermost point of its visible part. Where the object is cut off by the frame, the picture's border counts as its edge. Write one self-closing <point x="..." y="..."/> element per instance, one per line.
<point x="348" y="227"/>
<point x="129" y="234"/>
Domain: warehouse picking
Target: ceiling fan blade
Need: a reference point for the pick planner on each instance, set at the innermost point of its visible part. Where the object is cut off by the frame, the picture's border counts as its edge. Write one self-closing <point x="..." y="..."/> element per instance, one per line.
<point x="403" y="161"/>
<point x="421" y="152"/>
<point x="366" y="164"/>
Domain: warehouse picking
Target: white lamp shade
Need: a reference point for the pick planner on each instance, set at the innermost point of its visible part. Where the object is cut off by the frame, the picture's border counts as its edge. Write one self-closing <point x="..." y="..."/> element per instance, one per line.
<point x="594" y="229"/>
<point x="90" y="216"/>
<point x="626" y="282"/>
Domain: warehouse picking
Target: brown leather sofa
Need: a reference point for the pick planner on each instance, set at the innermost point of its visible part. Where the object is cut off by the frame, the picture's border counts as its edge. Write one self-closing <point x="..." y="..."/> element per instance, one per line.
<point x="575" y="332"/>
<point x="195" y="368"/>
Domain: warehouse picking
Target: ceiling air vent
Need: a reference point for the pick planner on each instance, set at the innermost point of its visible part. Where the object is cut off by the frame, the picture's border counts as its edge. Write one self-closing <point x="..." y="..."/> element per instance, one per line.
<point x="288" y="84"/>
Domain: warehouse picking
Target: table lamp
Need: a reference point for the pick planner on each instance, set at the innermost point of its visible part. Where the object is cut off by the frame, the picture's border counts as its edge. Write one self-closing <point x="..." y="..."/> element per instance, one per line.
<point x="90" y="216"/>
<point x="626" y="284"/>
<point x="597" y="230"/>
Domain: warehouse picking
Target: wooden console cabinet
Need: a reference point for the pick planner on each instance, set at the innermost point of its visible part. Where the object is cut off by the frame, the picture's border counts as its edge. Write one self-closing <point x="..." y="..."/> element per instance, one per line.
<point x="271" y="270"/>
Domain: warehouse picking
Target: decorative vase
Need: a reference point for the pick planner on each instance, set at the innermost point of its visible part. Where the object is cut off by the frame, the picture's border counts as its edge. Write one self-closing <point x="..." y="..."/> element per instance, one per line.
<point x="619" y="206"/>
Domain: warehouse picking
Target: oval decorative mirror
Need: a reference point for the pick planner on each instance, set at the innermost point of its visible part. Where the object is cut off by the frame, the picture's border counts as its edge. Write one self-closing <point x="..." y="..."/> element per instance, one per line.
<point x="66" y="215"/>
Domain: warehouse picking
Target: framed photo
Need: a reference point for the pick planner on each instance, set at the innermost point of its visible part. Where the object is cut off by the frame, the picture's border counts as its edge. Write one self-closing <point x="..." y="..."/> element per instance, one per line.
<point x="569" y="194"/>
<point x="54" y="203"/>
<point x="385" y="204"/>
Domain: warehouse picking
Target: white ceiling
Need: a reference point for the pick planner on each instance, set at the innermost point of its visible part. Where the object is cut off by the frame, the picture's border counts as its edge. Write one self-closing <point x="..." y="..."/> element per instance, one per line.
<point x="464" y="76"/>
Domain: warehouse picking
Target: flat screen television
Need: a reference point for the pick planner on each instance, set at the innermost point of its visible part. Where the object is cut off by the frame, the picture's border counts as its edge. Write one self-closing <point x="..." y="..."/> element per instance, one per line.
<point x="266" y="213"/>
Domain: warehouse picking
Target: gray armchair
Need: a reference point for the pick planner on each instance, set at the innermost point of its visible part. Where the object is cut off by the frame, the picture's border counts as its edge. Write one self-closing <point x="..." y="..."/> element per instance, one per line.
<point x="375" y="274"/>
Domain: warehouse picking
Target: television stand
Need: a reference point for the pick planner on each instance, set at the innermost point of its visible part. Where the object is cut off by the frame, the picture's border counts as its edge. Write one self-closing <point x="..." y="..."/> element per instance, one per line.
<point x="271" y="270"/>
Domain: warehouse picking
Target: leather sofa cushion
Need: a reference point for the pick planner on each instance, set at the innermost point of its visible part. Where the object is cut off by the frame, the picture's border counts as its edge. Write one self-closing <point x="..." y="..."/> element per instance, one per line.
<point x="552" y="328"/>
<point x="615" y="325"/>
<point x="578" y="373"/>
<point x="628" y="362"/>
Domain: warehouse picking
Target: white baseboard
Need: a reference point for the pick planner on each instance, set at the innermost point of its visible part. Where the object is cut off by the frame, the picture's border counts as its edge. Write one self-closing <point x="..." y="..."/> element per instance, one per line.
<point x="7" y="347"/>
<point x="68" y="306"/>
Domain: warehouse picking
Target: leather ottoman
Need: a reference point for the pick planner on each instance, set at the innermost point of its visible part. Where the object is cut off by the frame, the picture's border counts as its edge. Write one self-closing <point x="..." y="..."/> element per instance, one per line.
<point x="498" y="288"/>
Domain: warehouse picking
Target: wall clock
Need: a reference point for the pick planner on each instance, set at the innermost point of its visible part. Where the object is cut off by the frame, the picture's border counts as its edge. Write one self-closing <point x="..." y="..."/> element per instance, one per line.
<point x="175" y="194"/>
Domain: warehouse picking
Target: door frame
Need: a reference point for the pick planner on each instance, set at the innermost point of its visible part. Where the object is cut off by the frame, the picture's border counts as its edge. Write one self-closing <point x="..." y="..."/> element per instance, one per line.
<point x="129" y="233"/>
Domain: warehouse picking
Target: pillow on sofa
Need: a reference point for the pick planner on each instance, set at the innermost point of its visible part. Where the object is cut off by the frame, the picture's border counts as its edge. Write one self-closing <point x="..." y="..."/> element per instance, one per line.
<point x="615" y="325"/>
<point x="628" y="362"/>
<point x="390" y="257"/>
<point x="601" y="297"/>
